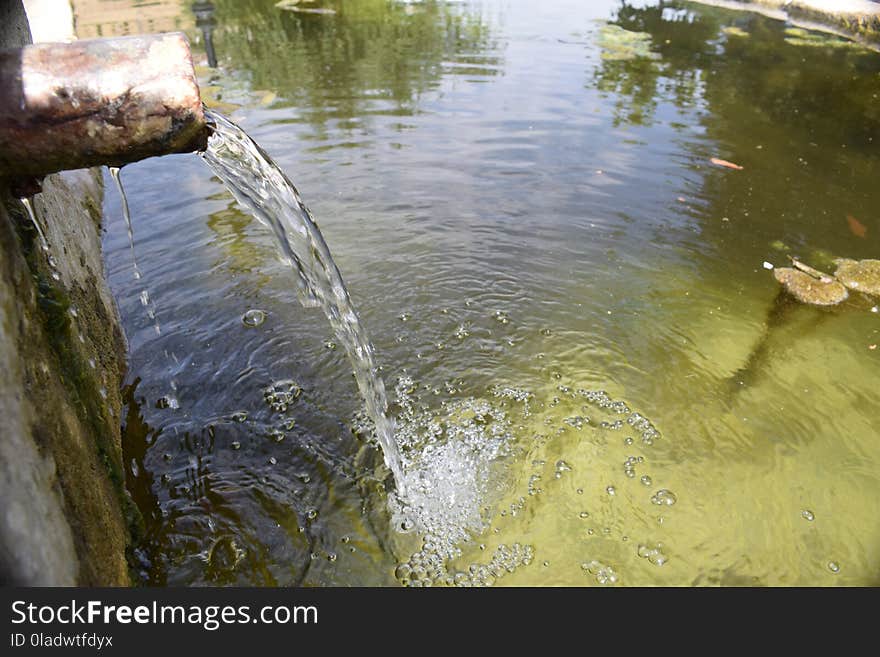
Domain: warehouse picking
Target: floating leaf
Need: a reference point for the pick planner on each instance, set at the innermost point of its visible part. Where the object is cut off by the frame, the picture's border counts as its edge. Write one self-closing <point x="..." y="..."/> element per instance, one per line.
<point x="725" y="163"/>
<point x="856" y="227"/>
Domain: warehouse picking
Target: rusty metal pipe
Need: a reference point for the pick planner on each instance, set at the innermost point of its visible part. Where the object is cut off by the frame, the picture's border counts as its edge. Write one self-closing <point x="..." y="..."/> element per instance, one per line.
<point x="97" y="102"/>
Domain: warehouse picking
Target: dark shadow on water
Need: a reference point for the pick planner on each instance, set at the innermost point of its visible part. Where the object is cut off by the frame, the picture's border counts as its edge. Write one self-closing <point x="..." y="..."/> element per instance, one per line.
<point x="777" y="334"/>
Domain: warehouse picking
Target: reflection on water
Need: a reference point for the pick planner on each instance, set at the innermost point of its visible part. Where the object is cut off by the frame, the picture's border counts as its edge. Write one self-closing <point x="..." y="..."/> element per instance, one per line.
<point x="522" y="202"/>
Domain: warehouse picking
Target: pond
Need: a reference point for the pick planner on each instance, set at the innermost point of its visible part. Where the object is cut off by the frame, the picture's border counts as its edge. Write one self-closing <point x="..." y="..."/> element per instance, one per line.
<point x="570" y="301"/>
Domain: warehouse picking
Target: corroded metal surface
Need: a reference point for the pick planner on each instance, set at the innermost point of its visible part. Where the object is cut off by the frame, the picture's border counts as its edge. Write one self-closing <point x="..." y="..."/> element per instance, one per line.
<point x="100" y="101"/>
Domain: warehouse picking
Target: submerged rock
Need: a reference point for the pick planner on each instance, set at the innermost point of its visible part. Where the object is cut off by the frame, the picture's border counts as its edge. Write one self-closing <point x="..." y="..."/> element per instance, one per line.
<point x="807" y="289"/>
<point x="860" y="275"/>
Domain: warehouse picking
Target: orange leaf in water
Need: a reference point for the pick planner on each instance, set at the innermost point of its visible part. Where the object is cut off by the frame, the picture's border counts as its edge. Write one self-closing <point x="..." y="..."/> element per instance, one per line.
<point x="725" y="163"/>
<point x="856" y="227"/>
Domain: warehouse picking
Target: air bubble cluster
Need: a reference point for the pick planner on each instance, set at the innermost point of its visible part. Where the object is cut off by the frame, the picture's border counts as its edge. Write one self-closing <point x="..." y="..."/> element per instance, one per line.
<point x="641" y="424"/>
<point x="601" y="399"/>
<point x="629" y="466"/>
<point x="447" y="456"/>
<point x="426" y="568"/>
<point x="603" y="573"/>
<point x="653" y="554"/>
<point x="664" y="497"/>
<point x="577" y="421"/>
<point x="281" y="394"/>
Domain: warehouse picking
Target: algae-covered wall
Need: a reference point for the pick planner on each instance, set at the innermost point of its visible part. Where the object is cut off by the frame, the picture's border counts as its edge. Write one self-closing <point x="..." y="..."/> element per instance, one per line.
<point x="66" y="517"/>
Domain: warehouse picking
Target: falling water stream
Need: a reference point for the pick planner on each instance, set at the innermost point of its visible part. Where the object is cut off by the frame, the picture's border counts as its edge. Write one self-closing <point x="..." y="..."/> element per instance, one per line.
<point x="26" y="202"/>
<point x="126" y="213"/>
<point x="258" y="184"/>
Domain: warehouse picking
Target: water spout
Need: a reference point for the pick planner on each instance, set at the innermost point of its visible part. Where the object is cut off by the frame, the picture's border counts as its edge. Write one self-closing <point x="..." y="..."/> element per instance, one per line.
<point x="97" y="102"/>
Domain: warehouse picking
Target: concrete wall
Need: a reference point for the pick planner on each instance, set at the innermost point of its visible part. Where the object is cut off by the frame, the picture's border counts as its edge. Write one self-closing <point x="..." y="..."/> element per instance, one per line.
<point x="66" y="518"/>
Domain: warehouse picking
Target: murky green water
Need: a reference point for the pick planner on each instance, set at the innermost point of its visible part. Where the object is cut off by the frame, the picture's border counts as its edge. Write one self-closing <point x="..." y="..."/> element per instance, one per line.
<point x="521" y="202"/>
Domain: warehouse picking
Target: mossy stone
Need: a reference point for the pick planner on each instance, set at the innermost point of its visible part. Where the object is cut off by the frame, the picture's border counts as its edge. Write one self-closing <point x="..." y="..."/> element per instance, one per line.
<point x="805" y="288"/>
<point x="860" y="275"/>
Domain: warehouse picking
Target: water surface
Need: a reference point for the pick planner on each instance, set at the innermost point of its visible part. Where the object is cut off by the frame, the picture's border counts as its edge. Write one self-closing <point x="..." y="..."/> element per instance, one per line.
<point x="520" y="199"/>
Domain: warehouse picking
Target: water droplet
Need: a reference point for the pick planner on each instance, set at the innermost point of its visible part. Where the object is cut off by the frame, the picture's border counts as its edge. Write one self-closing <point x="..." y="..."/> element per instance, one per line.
<point x="833" y="566"/>
<point x="584" y="514"/>
<point x="664" y="497"/>
<point x="253" y="318"/>
<point x="808" y="515"/>
<point x="312" y="514"/>
<point x="580" y="491"/>
<point x="329" y="344"/>
<point x="236" y="444"/>
<point x="546" y="331"/>
<point x="611" y="490"/>
<point x="272" y="460"/>
<point x="331" y="556"/>
<point x="546" y="564"/>
<point x="646" y="480"/>
<point x="403" y="317"/>
<point x="239" y="416"/>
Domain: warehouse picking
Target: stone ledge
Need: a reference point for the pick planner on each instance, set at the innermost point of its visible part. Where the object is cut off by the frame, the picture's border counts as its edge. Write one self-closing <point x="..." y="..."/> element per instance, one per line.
<point x="858" y="18"/>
